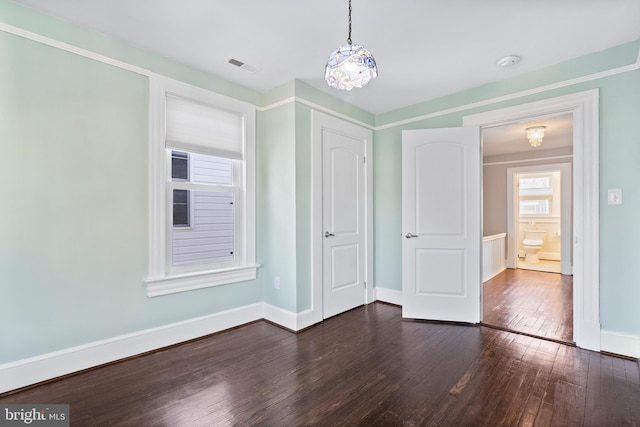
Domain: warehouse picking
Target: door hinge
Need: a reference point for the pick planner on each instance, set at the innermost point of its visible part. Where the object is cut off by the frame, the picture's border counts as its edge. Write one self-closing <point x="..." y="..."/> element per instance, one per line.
<point x="365" y="284"/>
<point x="364" y="159"/>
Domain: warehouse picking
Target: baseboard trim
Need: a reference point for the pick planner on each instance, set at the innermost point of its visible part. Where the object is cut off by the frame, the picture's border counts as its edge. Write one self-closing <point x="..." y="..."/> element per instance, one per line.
<point x="287" y="319"/>
<point x="391" y="296"/>
<point x="620" y="343"/>
<point x="33" y="370"/>
<point x="551" y="256"/>
<point x="26" y="372"/>
<point x="494" y="274"/>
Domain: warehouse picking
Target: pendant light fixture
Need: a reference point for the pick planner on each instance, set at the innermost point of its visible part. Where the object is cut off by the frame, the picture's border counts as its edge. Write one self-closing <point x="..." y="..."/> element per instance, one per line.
<point x="535" y="135"/>
<point x="350" y="65"/>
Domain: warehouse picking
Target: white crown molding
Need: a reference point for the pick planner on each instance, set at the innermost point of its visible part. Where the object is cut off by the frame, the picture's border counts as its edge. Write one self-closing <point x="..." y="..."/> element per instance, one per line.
<point x="537" y="159"/>
<point x="516" y="95"/>
<point x="315" y="107"/>
<point x="126" y="66"/>
<point x="72" y="49"/>
<point x="280" y="103"/>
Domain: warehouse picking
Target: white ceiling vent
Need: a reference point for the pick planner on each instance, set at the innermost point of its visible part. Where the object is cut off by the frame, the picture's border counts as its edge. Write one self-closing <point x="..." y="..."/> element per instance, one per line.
<point x="242" y="65"/>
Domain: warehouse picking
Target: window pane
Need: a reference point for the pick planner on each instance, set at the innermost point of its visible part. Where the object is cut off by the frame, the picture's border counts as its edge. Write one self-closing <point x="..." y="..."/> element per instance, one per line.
<point x="534" y="207"/>
<point x="212" y="169"/>
<point x="535" y="182"/>
<point x="181" y="208"/>
<point x="179" y="165"/>
<point x="210" y="238"/>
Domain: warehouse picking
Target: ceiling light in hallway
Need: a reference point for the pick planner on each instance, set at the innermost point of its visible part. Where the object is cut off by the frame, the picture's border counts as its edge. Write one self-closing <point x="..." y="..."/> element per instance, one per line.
<point x="535" y="135"/>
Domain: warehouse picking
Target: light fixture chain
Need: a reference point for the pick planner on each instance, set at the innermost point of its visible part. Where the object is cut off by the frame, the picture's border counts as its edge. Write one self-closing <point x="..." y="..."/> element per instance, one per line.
<point x="349" y="38"/>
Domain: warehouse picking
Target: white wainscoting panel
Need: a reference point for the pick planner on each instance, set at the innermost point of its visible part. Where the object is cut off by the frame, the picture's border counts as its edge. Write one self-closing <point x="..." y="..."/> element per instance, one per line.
<point x="493" y="255"/>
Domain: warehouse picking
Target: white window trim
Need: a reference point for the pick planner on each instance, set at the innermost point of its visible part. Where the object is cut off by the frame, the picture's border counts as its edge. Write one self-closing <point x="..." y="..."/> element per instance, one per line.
<point x="161" y="280"/>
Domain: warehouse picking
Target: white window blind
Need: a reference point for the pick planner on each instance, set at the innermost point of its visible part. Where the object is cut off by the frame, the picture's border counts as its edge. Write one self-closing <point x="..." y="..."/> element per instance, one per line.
<point x="197" y="127"/>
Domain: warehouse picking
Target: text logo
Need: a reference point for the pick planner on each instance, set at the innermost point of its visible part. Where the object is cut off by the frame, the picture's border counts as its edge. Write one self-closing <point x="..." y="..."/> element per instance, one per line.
<point x="34" y="415"/>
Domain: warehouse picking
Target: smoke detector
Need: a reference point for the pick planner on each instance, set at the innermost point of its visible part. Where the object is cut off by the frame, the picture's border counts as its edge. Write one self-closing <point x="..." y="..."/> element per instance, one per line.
<point x="508" y="60"/>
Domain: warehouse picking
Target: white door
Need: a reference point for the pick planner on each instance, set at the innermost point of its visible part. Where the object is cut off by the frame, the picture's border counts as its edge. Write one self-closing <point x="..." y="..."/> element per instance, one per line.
<point x="441" y="182"/>
<point x="343" y="218"/>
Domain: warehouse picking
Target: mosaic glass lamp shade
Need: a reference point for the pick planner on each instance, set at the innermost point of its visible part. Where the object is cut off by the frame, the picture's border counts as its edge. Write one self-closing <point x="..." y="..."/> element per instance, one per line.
<point x="350" y="65"/>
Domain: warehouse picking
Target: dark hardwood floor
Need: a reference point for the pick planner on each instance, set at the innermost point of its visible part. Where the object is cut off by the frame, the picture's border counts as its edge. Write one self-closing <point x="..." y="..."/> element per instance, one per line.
<point x="365" y="367"/>
<point x="531" y="302"/>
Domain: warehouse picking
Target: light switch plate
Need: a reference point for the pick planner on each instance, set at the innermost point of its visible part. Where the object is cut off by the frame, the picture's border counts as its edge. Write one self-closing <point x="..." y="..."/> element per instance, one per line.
<point x="614" y="196"/>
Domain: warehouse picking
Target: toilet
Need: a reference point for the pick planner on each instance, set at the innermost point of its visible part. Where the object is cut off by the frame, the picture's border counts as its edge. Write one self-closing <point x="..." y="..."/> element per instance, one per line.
<point x="532" y="243"/>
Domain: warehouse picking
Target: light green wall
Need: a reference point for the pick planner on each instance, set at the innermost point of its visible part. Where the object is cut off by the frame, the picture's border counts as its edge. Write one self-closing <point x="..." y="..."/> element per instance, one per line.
<point x="27" y="19"/>
<point x="74" y="140"/>
<point x="619" y="160"/>
<point x="276" y="201"/>
<point x="284" y="193"/>
<point x="74" y="217"/>
<point x="596" y="62"/>
<point x="303" y="207"/>
<point x="336" y="105"/>
<point x="74" y="241"/>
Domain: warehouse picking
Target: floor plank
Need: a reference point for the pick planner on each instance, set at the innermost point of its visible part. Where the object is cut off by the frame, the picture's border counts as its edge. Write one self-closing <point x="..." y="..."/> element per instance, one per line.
<point x="530" y="302"/>
<point x="366" y="367"/>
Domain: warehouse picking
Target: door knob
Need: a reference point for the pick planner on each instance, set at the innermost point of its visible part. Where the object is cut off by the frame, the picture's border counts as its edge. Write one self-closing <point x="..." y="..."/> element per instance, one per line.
<point x="409" y="235"/>
<point x="327" y="234"/>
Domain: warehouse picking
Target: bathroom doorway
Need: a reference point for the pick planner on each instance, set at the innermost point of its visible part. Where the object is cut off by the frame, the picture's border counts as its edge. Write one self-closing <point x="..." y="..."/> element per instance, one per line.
<point x="538" y="223"/>
<point x="539" y="214"/>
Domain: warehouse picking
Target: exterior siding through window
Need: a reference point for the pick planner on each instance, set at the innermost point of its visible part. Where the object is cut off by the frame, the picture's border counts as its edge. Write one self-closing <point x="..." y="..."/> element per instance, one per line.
<point x="210" y="236"/>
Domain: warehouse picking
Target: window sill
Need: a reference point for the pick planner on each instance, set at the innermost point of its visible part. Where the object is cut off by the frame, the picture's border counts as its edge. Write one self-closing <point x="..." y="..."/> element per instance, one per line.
<point x="188" y="282"/>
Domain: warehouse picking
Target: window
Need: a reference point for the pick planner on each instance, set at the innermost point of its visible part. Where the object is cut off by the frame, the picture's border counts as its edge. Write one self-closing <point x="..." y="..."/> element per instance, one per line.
<point x="536" y="194"/>
<point x="202" y="200"/>
<point x="181" y="205"/>
<point x="204" y="217"/>
<point x="179" y="166"/>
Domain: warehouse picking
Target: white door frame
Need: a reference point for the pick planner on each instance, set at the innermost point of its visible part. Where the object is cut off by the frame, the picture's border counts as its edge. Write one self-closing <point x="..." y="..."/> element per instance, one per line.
<point x="586" y="260"/>
<point x="318" y="122"/>
<point x="513" y="213"/>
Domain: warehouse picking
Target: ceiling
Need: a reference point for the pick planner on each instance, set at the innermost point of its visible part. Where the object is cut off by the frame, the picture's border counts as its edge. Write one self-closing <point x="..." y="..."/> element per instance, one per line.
<point x="424" y="48"/>
<point x="512" y="138"/>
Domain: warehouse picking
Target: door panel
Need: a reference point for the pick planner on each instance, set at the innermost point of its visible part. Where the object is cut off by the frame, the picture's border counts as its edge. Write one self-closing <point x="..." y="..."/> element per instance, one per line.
<point x="343" y="222"/>
<point x="439" y="272"/>
<point x="345" y="260"/>
<point x="439" y="211"/>
<point x="441" y="221"/>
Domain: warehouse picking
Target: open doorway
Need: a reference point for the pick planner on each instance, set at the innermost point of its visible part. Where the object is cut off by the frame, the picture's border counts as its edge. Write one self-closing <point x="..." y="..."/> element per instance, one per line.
<point x="539" y="217"/>
<point x="538" y="230"/>
<point x="527" y="199"/>
<point x="586" y="195"/>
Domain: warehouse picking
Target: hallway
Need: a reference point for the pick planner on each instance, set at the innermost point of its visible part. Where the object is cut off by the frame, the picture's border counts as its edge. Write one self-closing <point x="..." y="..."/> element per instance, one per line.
<point x="531" y="302"/>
